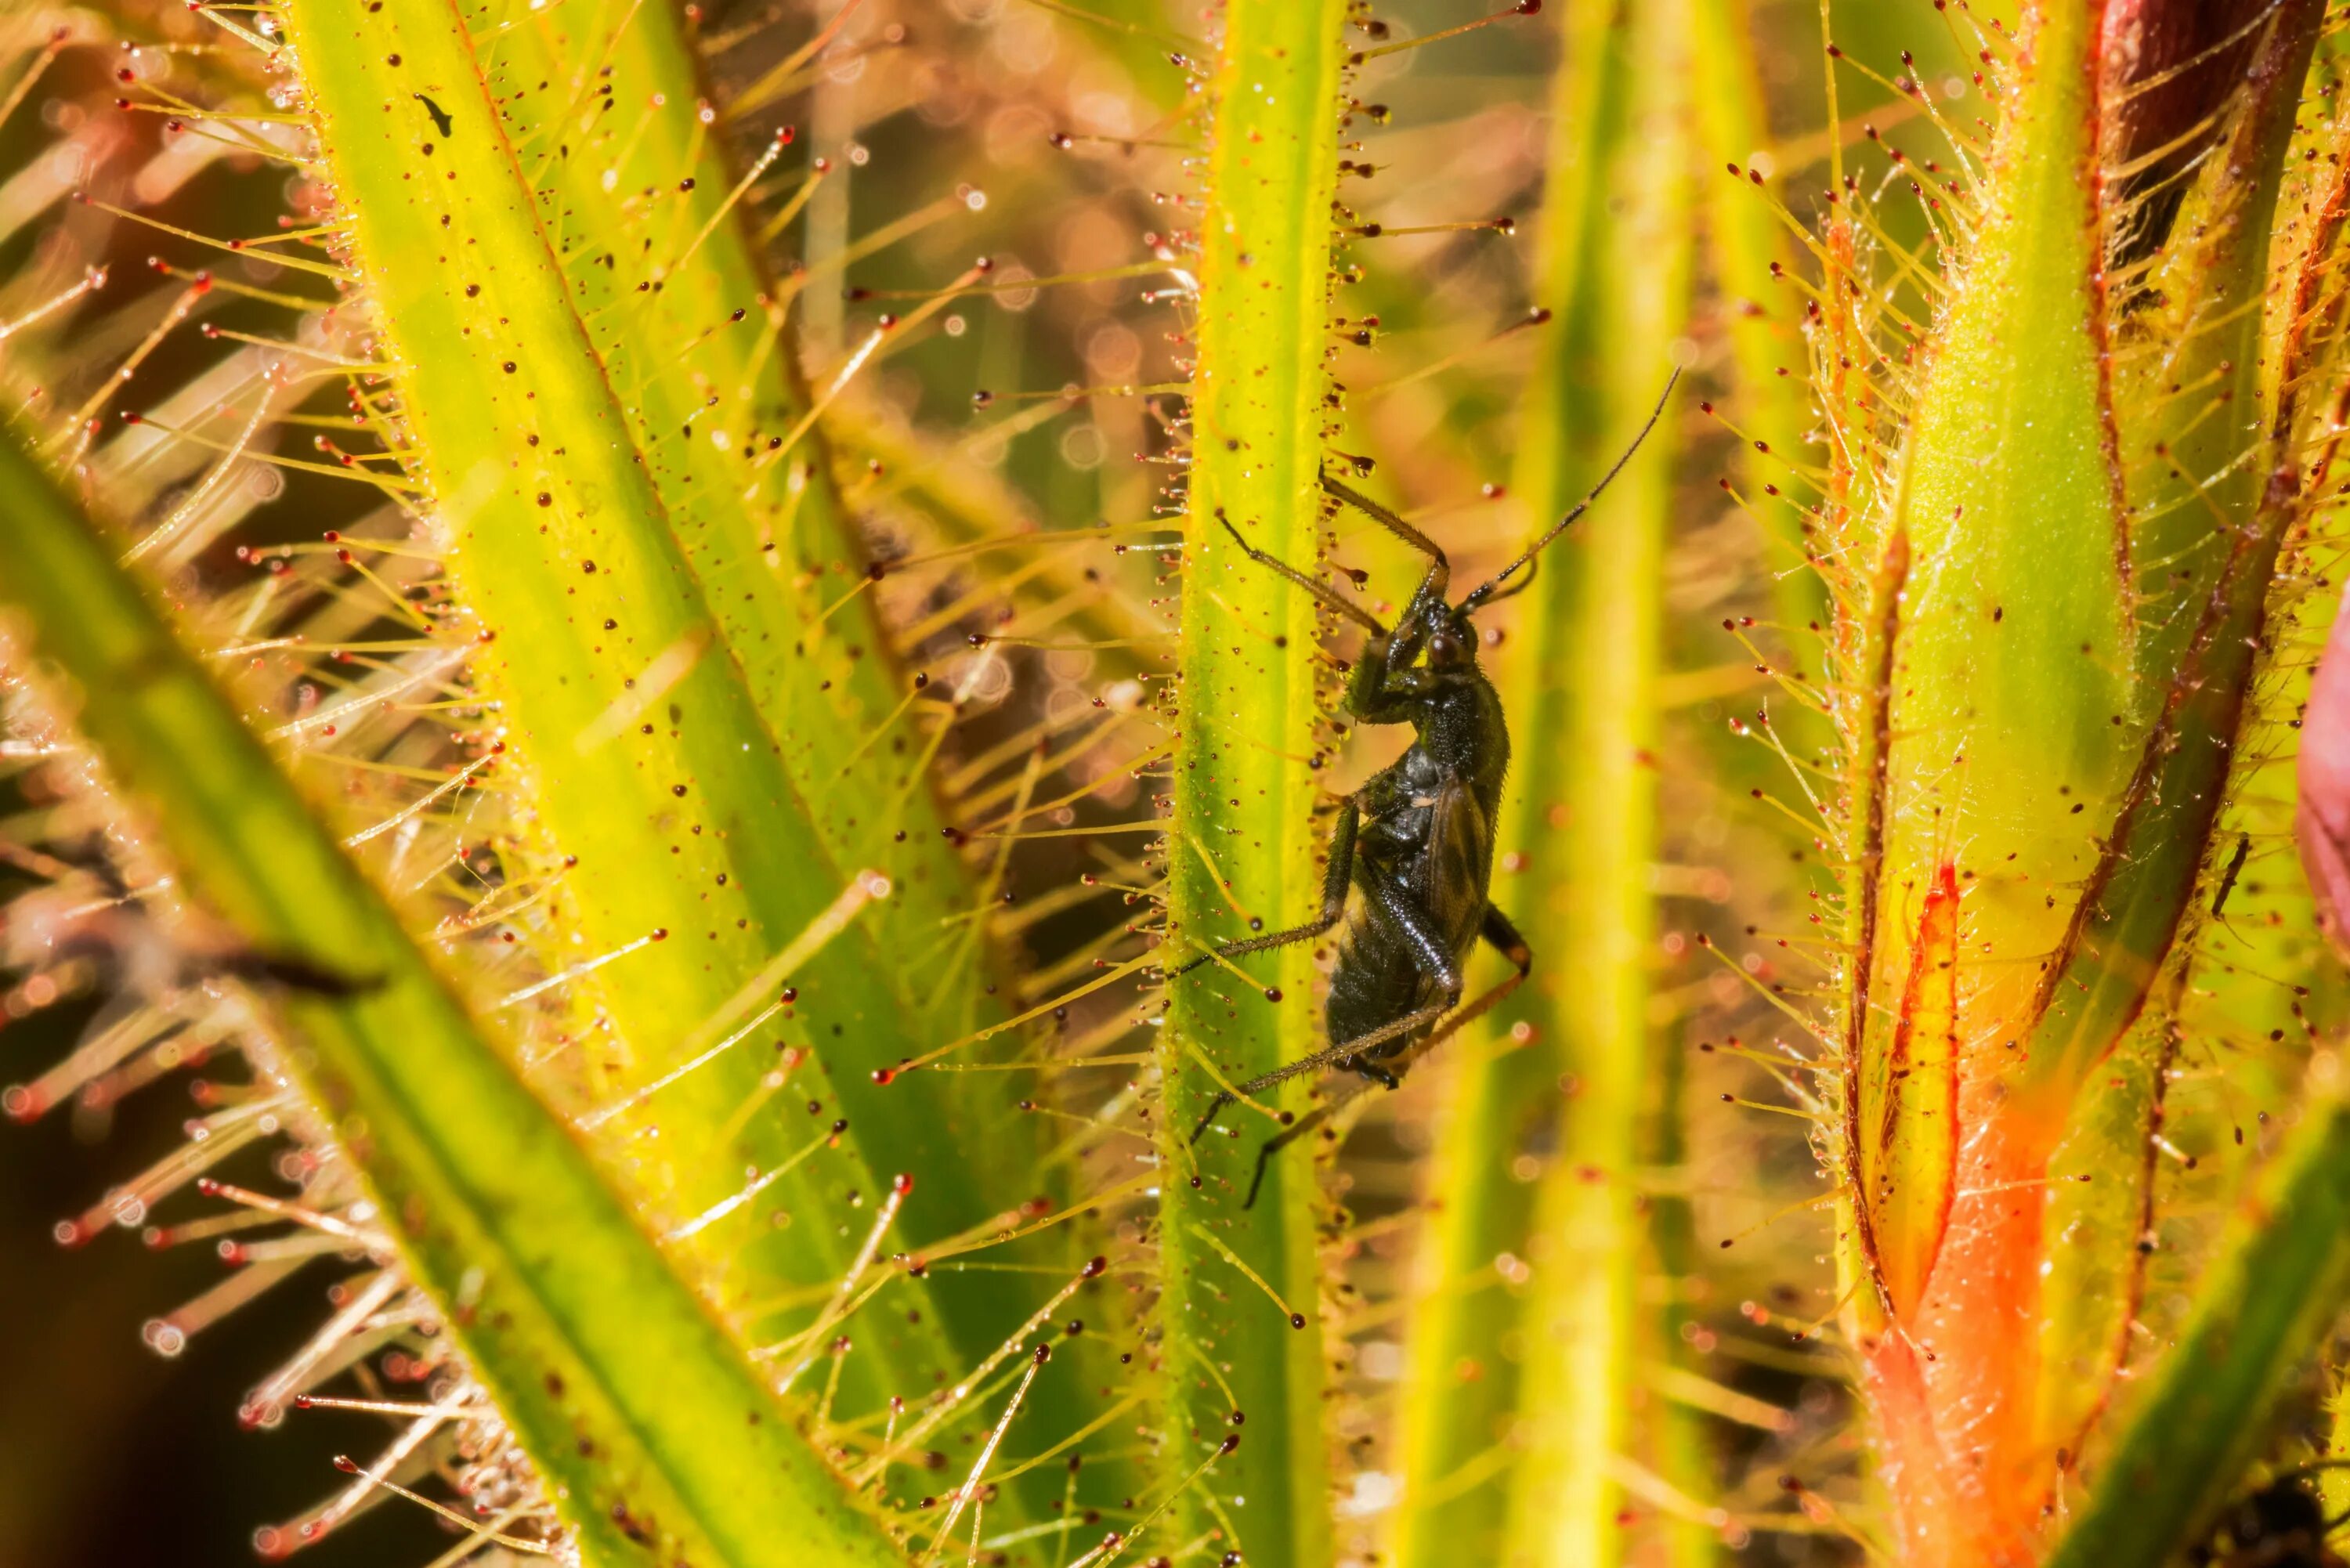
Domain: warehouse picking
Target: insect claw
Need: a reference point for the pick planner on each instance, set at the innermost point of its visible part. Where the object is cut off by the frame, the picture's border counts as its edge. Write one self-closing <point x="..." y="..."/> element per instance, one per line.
<point x="1214" y="1107"/>
<point x="1264" y="1159"/>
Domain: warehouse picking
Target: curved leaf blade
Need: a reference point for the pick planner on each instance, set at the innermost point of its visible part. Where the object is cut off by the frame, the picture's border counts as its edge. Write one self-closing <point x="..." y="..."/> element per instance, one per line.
<point x="641" y="1414"/>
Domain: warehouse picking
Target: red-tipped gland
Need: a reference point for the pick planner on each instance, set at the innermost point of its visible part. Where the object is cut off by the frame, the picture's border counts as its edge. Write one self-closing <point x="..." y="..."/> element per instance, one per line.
<point x="1297" y="1319"/>
<point x="1232" y="1441"/>
<point x="344" y="1463"/>
<point x="1042" y="1353"/>
<point x="1096" y="1267"/>
<point x="902" y="1184"/>
<point x="885" y="1074"/>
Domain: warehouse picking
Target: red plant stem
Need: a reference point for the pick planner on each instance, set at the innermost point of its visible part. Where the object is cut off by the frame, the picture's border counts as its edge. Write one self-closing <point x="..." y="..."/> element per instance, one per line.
<point x="1951" y="1387"/>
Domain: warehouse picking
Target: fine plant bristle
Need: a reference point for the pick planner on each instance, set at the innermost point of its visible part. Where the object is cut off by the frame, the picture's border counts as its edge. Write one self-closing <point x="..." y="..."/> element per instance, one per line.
<point x="698" y="666"/>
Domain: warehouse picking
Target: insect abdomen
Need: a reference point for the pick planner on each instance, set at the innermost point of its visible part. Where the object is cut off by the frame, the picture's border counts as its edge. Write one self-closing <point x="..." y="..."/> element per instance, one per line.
<point x="1376" y="983"/>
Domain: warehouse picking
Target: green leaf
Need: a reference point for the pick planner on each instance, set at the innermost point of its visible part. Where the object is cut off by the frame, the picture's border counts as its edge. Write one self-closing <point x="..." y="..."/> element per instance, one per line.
<point x="1991" y="651"/>
<point x="1577" y="835"/>
<point x="2046" y="677"/>
<point x="2202" y="547"/>
<point x="633" y="1403"/>
<point x="2275" y="1287"/>
<point x="704" y="367"/>
<point x="1244" y="836"/>
<point x="646" y="751"/>
<point x="1579" y="824"/>
<point x="1745" y="235"/>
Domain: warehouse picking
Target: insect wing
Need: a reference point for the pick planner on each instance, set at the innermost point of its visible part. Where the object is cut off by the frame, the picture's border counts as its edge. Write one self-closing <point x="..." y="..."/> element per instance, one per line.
<point x="1459" y="861"/>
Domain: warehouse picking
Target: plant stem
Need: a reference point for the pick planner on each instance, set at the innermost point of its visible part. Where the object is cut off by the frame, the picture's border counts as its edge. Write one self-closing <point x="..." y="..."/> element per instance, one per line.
<point x="2279" y="1281"/>
<point x="2051" y="652"/>
<point x="1242" y="841"/>
<point x="1461" y="1389"/>
<point x="629" y="1400"/>
<point x="1618" y="251"/>
<point x="1744" y="236"/>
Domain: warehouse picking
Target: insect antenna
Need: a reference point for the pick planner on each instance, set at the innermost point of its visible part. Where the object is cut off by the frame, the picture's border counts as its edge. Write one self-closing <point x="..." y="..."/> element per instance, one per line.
<point x="1486" y="590"/>
<point x="1386" y="518"/>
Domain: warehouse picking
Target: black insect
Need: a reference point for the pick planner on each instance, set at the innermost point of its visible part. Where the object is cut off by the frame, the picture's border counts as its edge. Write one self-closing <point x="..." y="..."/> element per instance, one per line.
<point x="441" y="120"/>
<point x="1417" y="840"/>
<point x="2281" y="1525"/>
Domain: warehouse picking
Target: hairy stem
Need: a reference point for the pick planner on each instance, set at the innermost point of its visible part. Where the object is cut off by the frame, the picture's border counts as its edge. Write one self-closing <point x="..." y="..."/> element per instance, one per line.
<point x="1243" y="843"/>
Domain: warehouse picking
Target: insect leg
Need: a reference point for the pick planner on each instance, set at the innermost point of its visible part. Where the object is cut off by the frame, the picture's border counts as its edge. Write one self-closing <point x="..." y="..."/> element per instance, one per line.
<point x="1322" y="1058"/>
<point x="1321" y="590"/>
<point x="1335" y="880"/>
<point x="1428" y="950"/>
<point x="1505" y="940"/>
<point x="1314" y="1119"/>
<point x="1437" y="581"/>
<point x="1428" y="946"/>
<point x="2228" y="877"/>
